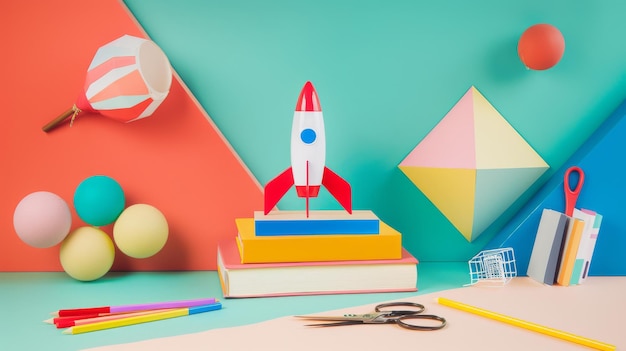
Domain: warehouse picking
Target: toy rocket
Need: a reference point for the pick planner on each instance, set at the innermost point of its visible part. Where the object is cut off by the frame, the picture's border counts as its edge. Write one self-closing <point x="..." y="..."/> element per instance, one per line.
<point x="308" y="156"/>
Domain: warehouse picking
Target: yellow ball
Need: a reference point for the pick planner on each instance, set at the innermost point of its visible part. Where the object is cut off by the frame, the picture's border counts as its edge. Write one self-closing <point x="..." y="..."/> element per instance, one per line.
<point x="140" y="231"/>
<point x="87" y="253"/>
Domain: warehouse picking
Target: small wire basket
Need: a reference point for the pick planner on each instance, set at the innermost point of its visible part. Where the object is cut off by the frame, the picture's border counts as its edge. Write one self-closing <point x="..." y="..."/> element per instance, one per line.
<point x="494" y="267"/>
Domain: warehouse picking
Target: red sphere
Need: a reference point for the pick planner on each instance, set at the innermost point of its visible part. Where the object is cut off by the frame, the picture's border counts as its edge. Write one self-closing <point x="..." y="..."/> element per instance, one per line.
<point x="541" y="46"/>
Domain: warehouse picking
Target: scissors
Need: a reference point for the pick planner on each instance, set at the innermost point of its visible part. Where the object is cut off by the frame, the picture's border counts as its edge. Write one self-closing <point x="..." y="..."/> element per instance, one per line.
<point x="382" y="315"/>
<point x="571" y="196"/>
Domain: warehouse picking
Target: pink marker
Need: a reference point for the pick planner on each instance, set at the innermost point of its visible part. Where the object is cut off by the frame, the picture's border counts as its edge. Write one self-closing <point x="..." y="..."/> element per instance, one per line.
<point x="308" y="156"/>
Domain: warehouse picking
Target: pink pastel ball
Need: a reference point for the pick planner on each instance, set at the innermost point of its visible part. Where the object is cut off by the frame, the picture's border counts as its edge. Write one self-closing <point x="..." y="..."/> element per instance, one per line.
<point x="42" y="219"/>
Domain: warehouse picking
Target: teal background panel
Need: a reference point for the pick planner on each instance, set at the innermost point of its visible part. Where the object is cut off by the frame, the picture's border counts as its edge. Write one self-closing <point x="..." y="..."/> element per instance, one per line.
<point x="386" y="73"/>
<point x="601" y="158"/>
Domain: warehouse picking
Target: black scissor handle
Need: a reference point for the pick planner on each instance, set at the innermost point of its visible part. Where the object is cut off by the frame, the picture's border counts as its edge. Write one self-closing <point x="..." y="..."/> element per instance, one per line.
<point x="420" y="308"/>
<point x="401" y="322"/>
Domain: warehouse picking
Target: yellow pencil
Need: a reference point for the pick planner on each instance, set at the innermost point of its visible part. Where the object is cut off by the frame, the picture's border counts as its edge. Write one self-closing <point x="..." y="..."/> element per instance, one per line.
<point x="177" y="312"/>
<point x="527" y="325"/>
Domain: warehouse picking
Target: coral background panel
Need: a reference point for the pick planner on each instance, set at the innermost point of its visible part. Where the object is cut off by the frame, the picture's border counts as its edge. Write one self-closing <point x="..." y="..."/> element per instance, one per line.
<point x="175" y="160"/>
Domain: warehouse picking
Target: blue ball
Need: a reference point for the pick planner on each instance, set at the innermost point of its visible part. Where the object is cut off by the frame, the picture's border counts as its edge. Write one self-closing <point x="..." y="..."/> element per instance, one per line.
<point x="99" y="200"/>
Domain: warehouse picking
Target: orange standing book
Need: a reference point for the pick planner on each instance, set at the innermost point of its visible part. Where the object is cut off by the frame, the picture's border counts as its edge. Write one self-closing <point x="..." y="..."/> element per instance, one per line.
<point x="568" y="257"/>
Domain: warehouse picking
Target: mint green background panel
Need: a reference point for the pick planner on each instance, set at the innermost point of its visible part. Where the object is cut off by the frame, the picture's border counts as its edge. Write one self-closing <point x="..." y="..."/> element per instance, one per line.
<point x="386" y="73"/>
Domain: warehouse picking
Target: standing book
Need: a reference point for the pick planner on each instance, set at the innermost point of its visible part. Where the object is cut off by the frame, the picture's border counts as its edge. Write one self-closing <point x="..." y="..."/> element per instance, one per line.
<point x="312" y="278"/>
<point x="587" y="244"/>
<point x="570" y="248"/>
<point x="546" y="251"/>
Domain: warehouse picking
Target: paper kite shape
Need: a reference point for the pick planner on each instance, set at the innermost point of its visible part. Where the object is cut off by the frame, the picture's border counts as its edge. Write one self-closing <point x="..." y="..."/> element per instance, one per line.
<point x="473" y="165"/>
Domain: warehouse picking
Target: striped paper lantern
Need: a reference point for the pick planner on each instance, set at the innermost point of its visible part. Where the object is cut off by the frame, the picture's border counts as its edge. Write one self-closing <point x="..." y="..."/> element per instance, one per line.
<point x="127" y="80"/>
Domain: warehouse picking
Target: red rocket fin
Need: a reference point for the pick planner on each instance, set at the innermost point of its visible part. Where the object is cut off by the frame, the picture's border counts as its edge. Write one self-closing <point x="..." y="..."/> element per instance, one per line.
<point x="276" y="188"/>
<point x="338" y="188"/>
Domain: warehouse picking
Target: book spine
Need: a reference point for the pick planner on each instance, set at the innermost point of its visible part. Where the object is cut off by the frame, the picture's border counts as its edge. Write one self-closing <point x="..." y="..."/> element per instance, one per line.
<point x="569" y="254"/>
<point x="315" y="250"/>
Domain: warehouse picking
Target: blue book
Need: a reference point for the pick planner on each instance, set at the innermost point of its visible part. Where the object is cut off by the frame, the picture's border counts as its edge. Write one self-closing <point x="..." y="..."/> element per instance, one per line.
<point x="317" y="223"/>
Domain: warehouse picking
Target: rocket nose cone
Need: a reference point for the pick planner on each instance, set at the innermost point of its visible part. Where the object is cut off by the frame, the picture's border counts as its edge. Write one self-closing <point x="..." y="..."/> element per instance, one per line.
<point x="308" y="100"/>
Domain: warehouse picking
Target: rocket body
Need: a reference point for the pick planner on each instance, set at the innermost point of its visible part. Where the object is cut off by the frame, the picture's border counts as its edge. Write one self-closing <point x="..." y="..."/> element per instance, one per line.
<point x="308" y="151"/>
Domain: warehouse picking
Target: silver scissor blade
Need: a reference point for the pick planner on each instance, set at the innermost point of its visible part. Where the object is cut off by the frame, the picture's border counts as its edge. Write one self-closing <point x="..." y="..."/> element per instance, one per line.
<point x="323" y="318"/>
<point x="361" y="318"/>
<point x="336" y="324"/>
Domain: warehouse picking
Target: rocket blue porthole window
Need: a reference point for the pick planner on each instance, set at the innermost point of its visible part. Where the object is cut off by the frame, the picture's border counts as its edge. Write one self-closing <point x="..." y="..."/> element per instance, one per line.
<point x="308" y="136"/>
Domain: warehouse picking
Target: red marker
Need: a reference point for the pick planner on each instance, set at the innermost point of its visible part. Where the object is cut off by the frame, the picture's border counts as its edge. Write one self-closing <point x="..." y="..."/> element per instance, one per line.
<point x="308" y="156"/>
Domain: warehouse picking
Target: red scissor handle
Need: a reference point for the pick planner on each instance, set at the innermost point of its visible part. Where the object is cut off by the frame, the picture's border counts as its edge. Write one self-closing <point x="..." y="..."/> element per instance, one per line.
<point x="571" y="196"/>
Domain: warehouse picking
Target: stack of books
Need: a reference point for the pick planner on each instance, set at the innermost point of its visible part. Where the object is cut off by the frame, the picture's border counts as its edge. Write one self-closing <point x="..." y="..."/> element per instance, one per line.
<point x="330" y="252"/>
<point x="564" y="246"/>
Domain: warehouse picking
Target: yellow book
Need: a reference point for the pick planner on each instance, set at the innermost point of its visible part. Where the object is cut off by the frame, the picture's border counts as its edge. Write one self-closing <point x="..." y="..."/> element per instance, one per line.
<point x="310" y="248"/>
<point x="568" y="257"/>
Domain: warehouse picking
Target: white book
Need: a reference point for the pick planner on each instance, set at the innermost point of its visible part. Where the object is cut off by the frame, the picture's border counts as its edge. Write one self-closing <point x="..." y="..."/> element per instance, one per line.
<point x="312" y="278"/>
<point x="587" y="244"/>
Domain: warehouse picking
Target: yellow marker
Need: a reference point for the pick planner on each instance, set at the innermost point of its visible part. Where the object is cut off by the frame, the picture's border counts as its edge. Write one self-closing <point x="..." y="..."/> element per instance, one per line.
<point x="527" y="325"/>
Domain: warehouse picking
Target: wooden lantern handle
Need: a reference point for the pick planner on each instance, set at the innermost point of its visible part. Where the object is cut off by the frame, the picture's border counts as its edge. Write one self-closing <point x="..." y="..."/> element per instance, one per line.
<point x="62" y="117"/>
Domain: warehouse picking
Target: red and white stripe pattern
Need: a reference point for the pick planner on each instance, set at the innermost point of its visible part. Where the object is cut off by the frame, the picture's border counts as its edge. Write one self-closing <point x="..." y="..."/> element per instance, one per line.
<point x="127" y="80"/>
